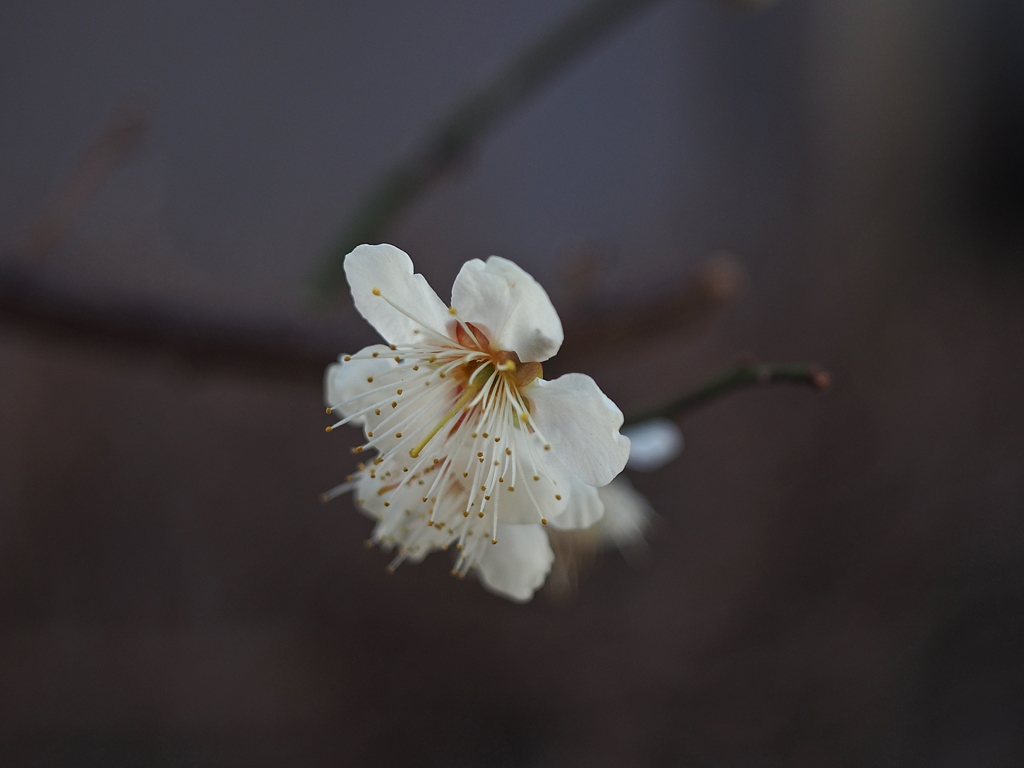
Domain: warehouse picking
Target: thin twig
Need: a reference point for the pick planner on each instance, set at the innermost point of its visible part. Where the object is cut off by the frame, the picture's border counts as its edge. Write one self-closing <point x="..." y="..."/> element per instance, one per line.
<point x="684" y="307"/>
<point x="104" y="154"/>
<point x="468" y="122"/>
<point x="734" y="378"/>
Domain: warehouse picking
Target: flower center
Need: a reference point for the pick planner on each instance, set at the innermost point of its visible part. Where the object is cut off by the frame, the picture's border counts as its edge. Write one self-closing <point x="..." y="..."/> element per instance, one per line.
<point x="456" y="440"/>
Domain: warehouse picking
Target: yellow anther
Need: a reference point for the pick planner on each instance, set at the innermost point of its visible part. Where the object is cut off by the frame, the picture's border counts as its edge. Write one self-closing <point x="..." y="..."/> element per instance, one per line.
<point x="328" y="429"/>
<point x="377" y="411"/>
<point x="543" y="521"/>
<point x="394" y="404"/>
<point x="329" y="411"/>
<point x="479" y="514"/>
<point x="376" y="291"/>
<point x="494" y="541"/>
<point x="369" y="379"/>
<point x="547" y="447"/>
<point x="369" y="434"/>
<point x="452" y="311"/>
<point x="346" y="358"/>
<point x="508" y="451"/>
<point x="536" y="477"/>
<point x="558" y="496"/>
<point x="398" y="434"/>
<point x="376" y="354"/>
<point x="511" y="488"/>
<point x="399" y="391"/>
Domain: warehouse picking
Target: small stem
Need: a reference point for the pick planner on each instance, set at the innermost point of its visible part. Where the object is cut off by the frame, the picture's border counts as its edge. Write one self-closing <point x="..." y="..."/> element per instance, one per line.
<point x="733" y="378"/>
<point x="468" y="122"/>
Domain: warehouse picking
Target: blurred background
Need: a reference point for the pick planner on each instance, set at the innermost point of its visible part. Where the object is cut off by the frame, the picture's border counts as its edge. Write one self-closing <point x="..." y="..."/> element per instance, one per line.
<point x="835" y="579"/>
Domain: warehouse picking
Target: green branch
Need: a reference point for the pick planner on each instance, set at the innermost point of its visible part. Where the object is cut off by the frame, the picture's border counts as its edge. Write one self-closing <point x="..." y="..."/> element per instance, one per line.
<point x="468" y="122"/>
<point x="734" y="378"/>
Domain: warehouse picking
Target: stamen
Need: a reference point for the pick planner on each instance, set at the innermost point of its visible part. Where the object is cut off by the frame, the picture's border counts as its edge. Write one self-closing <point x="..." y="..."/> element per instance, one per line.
<point x="466" y="397"/>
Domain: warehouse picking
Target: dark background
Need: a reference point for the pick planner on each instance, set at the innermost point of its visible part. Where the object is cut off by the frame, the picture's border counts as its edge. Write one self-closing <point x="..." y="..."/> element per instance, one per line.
<point x="836" y="579"/>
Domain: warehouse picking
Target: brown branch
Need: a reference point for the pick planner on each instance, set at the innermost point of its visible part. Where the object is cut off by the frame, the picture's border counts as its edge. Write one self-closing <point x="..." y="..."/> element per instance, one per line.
<point x="468" y="122"/>
<point x="104" y="154"/>
<point x="683" y="308"/>
<point x="34" y="302"/>
<point x="195" y="336"/>
<point x="734" y="378"/>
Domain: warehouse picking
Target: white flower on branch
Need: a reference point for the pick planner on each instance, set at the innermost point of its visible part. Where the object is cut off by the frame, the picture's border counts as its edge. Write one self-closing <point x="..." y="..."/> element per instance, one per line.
<point x="473" y="448"/>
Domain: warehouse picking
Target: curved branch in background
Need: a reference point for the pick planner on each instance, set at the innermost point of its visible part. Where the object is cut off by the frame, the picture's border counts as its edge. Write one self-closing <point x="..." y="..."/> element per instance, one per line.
<point x="121" y="135"/>
<point x="682" y="308"/>
<point x="198" y="337"/>
<point x="459" y="131"/>
<point x="33" y="301"/>
<point x="734" y="378"/>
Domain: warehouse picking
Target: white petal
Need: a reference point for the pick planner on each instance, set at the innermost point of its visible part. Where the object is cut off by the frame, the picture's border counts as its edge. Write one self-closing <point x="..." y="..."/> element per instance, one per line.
<point x="627" y="515"/>
<point x="585" y="508"/>
<point x="517" y="565"/>
<point x="345" y="381"/>
<point x="582" y="425"/>
<point x="510" y="306"/>
<point x="389" y="270"/>
<point x="653" y="444"/>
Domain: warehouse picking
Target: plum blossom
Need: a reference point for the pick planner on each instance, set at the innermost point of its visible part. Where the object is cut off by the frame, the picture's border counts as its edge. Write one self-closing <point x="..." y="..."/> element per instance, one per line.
<point x="467" y="445"/>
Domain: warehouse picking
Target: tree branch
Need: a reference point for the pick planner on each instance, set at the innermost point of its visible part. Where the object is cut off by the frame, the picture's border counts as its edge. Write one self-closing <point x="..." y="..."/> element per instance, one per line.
<point x="462" y="128"/>
<point x="195" y="336"/>
<point x="734" y="378"/>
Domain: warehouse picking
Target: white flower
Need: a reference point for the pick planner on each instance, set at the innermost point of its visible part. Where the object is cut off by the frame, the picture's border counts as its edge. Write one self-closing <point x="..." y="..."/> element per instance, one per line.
<point x="474" y="448"/>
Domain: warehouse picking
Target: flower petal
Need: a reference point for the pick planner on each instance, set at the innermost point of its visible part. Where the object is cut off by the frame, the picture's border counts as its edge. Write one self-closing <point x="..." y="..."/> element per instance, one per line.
<point x="344" y="382"/>
<point x="510" y="306"/>
<point x="389" y="270"/>
<point x="517" y="565"/>
<point x="627" y="515"/>
<point x="582" y="425"/>
<point x="585" y="508"/>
